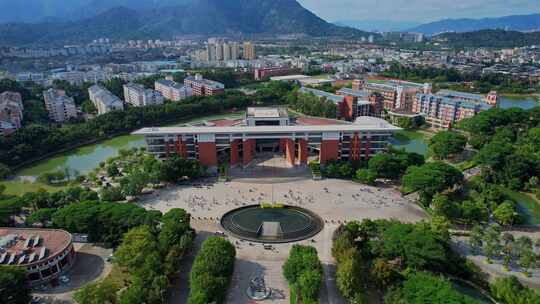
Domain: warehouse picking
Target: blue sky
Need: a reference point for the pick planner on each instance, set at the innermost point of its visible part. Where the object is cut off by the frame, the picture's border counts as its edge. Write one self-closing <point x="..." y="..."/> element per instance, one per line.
<point x="418" y="10"/>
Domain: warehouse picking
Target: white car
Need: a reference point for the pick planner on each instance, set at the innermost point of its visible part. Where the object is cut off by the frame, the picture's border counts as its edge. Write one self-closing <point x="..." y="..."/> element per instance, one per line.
<point x="64" y="279"/>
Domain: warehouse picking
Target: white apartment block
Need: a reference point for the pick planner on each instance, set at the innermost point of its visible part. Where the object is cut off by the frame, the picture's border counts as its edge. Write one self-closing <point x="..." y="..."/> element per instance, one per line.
<point x="172" y="90"/>
<point x="103" y="100"/>
<point x="60" y="107"/>
<point x="137" y="96"/>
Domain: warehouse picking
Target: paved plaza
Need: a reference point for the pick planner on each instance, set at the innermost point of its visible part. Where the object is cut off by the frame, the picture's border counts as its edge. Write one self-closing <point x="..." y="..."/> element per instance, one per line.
<point x="272" y="180"/>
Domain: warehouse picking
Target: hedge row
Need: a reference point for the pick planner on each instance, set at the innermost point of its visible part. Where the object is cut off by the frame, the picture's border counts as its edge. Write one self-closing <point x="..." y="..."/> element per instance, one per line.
<point x="211" y="272"/>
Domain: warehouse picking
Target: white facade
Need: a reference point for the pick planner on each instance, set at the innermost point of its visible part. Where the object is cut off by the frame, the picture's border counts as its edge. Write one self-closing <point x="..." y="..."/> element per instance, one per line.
<point x="60" y="107"/>
<point x="103" y="100"/>
<point x="172" y="90"/>
<point x="136" y="95"/>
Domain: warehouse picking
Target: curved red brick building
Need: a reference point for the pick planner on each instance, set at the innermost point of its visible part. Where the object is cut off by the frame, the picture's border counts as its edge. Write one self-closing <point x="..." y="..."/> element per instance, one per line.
<point x="45" y="253"/>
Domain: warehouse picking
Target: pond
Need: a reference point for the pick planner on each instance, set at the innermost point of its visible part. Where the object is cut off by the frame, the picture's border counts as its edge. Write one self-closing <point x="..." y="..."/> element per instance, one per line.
<point x="411" y="141"/>
<point x="523" y="102"/>
<point x="528" y="207"/>
<point x="85" y="159"/>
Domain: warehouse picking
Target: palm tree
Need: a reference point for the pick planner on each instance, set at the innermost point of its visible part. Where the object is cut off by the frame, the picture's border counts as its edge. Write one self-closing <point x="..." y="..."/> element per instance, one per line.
<point x="508" y="247"/>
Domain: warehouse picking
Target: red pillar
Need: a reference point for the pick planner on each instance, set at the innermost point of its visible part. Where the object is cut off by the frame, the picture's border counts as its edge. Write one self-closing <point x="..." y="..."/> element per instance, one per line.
<point x="303" y="151"/>
<point x="290" y="151"/>
<point x="368" y="148"/>
<point x="329" y="150"/>
<point x="235" y="155"/>
<point x="282" y="144"/>
<point x="181" y="148"/>
<point x="208" y="154"/>
<point x="248" y="150"/>
<point x="355" y="147"/>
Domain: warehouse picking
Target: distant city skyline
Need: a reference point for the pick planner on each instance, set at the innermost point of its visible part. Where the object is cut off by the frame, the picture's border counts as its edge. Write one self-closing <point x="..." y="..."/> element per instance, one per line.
<point x="419" y="11"/>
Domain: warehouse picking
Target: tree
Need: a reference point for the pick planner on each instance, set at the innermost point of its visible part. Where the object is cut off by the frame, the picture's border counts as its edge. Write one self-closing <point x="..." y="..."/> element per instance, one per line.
<point x="366" y="176"/>
<point x="386" y="165"/>
<point x="446" y="143"/>
<point x="112" y="194"/>
<point x="527" y="259"/>
<point x="14" y="287"/>
<point x="97" y="293"/>
<point x="349" y="274"/>
<point x="431" y="178"/>
<point x="506" y="213"/>
<point x="422" y="287"/>
<point x="176" y="169"/>
<point x="476" y="237"/>
<point x="4" y="171"/>
<point x="137" y="245"/>
<point x="509" y="290"/>
<point x="442" y="206"/>
<point x="302" y="264"/>
<point x="211" y="272"/>
<point x="492" y="245"/>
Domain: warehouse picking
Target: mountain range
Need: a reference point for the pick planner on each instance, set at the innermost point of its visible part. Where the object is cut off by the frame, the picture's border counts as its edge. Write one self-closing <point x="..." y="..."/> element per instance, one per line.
<point x="374" y="25"/>
<point x="522" y="23"/>
<point x="158" y="19"/>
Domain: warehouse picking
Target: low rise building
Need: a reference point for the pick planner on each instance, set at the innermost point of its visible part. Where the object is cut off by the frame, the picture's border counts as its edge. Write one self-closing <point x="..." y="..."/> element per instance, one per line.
<point x="172" y="90"/>
<point x="104" y="100"/>
<point x="323" y="140"/>
<point x="203" y="87"/>
<point x="266" y="73"/>
<point x="45" y="254"/>
<point x="11" y="112"/>
<point x="137" y="96"/>
<point x="60" y="107"/>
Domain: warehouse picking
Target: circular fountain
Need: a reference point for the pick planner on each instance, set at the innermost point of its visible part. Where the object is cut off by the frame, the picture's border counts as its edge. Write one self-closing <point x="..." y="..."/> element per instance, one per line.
<point x="275" y="224"/>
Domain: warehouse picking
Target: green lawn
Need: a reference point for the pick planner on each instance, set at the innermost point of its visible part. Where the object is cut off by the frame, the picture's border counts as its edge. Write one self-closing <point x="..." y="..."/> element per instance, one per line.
<point x="17" y="187"/>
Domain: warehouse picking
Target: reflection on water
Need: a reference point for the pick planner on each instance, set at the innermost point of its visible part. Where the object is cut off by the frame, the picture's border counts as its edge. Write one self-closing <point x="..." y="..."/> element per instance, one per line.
<point x="411" y="141"/>
<point x="84" y="159"/>
<point x="525" y="102"/>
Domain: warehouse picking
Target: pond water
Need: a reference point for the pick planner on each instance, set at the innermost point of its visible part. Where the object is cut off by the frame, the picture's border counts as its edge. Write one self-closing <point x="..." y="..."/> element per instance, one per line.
<point x="470" y="292"/>
<point x="85" y="159"/>
<point x="411" y="141"/>
<point x="524" y="102"/>
<point x="526" y="205"/>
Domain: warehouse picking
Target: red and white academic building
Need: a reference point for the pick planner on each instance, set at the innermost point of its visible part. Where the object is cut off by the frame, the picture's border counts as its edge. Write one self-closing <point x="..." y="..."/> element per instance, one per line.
<point x="271" y="130"/>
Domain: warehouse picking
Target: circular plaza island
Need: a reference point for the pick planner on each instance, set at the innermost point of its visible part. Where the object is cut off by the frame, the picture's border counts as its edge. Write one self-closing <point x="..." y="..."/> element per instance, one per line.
<point x="274" y="224"/>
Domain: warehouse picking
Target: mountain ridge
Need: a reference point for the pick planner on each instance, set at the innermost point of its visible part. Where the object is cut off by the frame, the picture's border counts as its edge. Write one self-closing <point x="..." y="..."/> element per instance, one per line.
<point x="521" y="23"/>
<point x="195" y="17"/>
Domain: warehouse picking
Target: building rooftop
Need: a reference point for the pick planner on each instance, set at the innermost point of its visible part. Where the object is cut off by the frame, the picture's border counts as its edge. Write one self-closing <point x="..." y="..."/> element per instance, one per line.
<point x="331" y="97"/>
<point x="206" y="82"/>
<point x="361" y="124"/>
<point x="170" y="83"/>
<point x="264" y="112"/>
<point x="462" y="95"/>
<point x="289" y="78"/>
<point x="355" y="93"/>
<point x="23" y="246"/>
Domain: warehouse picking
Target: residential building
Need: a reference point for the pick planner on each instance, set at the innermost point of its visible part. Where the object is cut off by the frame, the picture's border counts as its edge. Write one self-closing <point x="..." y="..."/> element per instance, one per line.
<point x="11" y="112"/>
<point x="203" y="87"/>
<point x="104" y="100"/>
<point x="138" y="96"/>
<point x="396" y="95"/>
<point x="60" y="107"/>
<point x="172" y="90"/>
<point x="443" y="111"/>
<point x="491" y="98"/>
<point x="249" y="51"/>
<point x="45" y="254"/>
